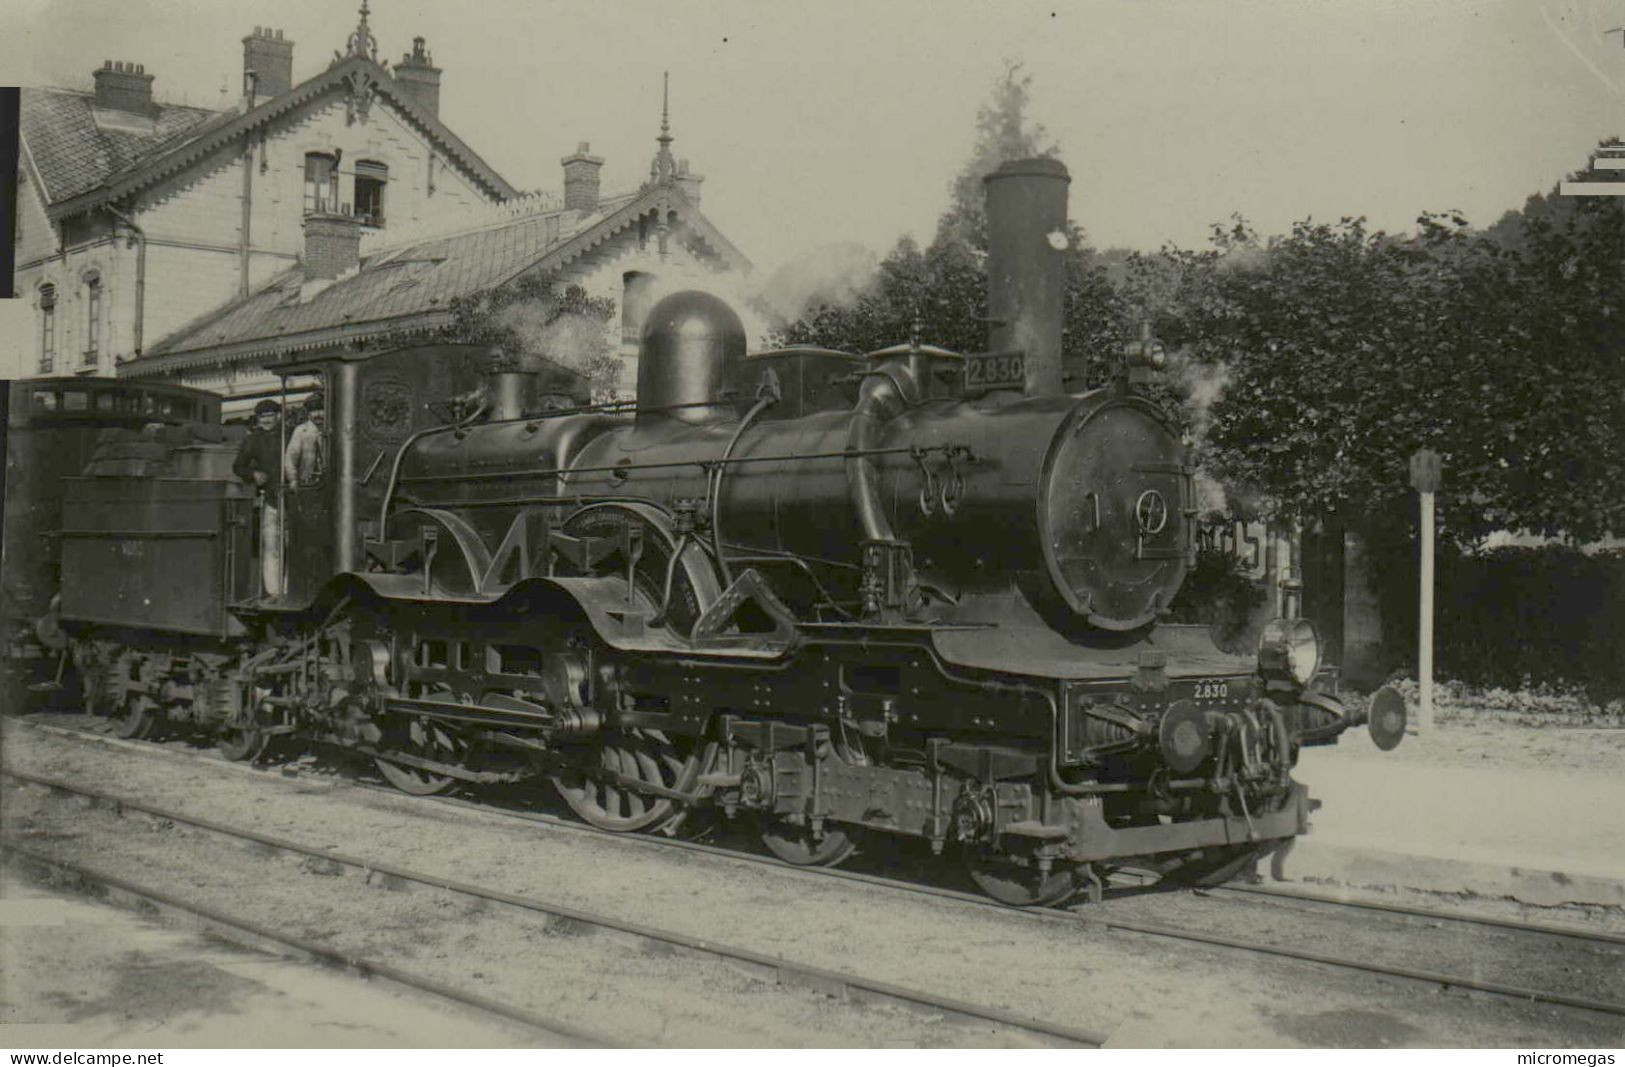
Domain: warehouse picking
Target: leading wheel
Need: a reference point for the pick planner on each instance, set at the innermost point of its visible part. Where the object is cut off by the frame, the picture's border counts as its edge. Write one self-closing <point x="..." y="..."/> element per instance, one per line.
<point x="1216" y="866"/>
<point x="796" y="844"/>
<point x="605" y="792"/>
<point x="1017" y="883"/>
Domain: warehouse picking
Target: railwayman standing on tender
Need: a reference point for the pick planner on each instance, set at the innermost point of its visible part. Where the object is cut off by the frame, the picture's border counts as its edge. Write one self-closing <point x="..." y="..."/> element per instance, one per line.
<point x="260" y="464"/>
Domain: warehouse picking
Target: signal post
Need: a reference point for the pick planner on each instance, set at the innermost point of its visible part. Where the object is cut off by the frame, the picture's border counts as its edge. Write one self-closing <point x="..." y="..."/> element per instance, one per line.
<point x="1425" y="474"/>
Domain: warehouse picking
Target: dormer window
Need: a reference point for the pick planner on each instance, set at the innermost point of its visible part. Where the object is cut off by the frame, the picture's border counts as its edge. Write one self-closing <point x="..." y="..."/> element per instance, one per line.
<point x="371" y="178"/>
<point x="47" y="311"/>
<point x="321" y="183"/>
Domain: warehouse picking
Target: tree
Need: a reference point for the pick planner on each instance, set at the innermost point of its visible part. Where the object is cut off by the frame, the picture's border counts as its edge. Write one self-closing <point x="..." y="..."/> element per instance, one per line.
<point x="1542" y="404"/>
<point x="1344" y="350"/>
<point x="944" y="286"/>
<point x="1003" y="133"/>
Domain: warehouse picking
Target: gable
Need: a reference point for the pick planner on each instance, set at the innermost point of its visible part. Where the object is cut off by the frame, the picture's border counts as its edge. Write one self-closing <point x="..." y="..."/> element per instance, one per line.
<point x="83" y="154"/>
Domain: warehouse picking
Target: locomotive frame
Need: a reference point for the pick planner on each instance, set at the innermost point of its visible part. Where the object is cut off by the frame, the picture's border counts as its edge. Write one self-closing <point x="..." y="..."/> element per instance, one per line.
<point x="843" y="595"/>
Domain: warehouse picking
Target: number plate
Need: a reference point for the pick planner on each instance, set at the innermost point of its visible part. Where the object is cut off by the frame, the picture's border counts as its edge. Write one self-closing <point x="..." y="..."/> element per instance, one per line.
<point x="1001" y="370"/>
<point x="1212" y="690"/>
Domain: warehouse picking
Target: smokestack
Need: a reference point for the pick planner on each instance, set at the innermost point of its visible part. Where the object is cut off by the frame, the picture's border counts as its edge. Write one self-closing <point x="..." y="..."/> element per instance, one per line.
<point x="1026" y="274"/>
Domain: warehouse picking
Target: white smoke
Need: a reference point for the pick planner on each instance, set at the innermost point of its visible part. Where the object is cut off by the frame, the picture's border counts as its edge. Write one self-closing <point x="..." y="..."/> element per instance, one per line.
<point x="570" y="340"/>
<point x="1201" y="384"/>
<point x="832" y="274"/>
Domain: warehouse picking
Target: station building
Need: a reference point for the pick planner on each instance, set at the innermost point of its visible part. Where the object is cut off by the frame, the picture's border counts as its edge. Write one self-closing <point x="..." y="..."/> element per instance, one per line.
<point x="196" y="245"/>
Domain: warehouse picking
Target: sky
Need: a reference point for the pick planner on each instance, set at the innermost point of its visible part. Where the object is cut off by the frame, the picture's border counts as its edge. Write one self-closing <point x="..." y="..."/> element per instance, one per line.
<point x="819" y="124"/>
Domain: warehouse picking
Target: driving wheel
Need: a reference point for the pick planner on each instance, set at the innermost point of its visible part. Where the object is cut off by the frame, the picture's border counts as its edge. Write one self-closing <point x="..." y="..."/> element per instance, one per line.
<point x="604" y="791"/>
<point x="425" y="740"/>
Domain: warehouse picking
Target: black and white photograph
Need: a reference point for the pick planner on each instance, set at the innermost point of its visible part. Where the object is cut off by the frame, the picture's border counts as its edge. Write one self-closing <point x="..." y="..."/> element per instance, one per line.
<point x="749" y="524"/>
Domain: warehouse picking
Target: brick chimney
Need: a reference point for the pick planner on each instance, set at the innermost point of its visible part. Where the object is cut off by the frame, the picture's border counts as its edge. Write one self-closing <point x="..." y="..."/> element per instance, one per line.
<point x="124" y="87"/>
<point x="270" y="57"/>
<point x="332" y="245"/>
<point x="581" y="179"/>
<point x="417" y="74"/>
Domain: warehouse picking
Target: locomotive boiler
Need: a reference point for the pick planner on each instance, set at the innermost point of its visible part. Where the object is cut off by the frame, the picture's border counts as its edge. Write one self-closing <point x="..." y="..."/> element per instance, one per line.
<point x="912" y="594"/>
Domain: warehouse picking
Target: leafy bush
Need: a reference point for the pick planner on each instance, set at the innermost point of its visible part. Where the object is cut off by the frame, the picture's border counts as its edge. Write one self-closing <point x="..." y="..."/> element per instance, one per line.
<point x="1536" y="704"/>
<point x="1218" y="592"/>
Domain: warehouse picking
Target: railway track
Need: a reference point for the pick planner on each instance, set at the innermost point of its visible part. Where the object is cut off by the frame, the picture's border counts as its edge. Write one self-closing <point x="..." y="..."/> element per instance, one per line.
<point x="782" y="971"/>
<point x="1596" y="937"/>
<point x="249" y="933"/>
<point x="1095" y="916"/>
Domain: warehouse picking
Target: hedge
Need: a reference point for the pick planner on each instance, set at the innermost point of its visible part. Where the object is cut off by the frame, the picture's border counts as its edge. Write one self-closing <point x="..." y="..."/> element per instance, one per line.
<point x="1514" y="617"/>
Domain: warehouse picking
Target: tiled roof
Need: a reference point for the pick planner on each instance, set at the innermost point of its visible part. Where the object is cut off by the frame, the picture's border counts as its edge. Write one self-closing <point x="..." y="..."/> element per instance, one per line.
<point x="72" y="154"/>
<point x="408" y="289"/>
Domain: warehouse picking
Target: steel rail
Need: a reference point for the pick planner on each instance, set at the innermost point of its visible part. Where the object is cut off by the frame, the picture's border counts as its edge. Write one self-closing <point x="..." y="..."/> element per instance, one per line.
<point x="1048" y="914"/>
<point x="810" y="974"/>
<point x="1412" y="911"/>
<point x="1065" y="915"/>
<point x="367" y="968"/>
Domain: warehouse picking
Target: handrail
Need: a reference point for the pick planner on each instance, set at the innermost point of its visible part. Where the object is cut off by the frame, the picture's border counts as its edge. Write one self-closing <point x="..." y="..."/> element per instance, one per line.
<point x="546" y="472"/>
<point x="400" y="455"/>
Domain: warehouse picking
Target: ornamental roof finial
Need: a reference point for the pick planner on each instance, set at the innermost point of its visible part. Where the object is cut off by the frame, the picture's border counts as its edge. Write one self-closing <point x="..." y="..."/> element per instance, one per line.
<point x="664" y="168"/>
<point x="362" y="43"/>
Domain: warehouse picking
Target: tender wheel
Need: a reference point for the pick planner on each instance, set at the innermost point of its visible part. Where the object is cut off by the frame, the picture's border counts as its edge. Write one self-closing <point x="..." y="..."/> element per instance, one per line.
<point x="137" y="718"/>
<point x="795" y="844"/>
<point x="239" y="745"/>
<point x="95" y="681"/>
<point x="1018" y="885"/>
<point x="643" y="756"/>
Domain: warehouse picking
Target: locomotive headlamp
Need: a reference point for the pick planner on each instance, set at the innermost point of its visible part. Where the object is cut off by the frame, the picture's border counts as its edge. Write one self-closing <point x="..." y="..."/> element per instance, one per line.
<point x="1290" y="648"/>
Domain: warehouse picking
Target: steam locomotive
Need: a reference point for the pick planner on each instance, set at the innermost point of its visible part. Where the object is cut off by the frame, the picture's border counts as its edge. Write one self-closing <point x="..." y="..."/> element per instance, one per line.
<point x="911" y="593"/>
